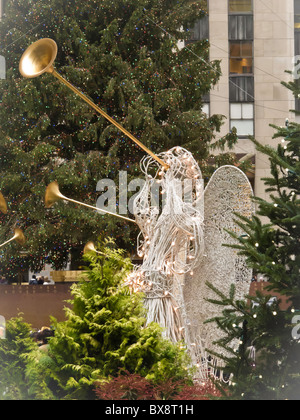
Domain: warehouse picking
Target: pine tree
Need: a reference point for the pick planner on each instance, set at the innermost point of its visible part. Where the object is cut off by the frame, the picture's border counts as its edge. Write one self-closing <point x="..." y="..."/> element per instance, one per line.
<point x="22" y="365"/>
<point x="272" y="249"/>
<point x="105" y="333"/>
<point x="117" y="53"/>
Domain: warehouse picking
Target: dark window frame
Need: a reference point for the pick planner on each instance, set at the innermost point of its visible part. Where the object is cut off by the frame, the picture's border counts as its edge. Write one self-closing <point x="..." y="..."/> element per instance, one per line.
<point x="236" y="12"/>
<point x="243" y="136"/>
<point x="240" y="27"/>
<point x="240" y="41"/>
<point x="203" y="33"/>
<point x="241" y="88"/>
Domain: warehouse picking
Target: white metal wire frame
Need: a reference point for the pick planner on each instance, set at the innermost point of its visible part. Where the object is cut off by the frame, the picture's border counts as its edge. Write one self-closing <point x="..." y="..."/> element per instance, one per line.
<point x="181" y="242"/>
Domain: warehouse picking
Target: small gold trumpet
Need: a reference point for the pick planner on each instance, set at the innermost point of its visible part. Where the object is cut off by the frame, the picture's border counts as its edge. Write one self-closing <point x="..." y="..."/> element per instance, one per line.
<point x="90" y="247"/>
<point x="53" y="195"/>
<point x="39" y="58"/>
<point x="18" y="237"/>
<point x="3" y="205"/>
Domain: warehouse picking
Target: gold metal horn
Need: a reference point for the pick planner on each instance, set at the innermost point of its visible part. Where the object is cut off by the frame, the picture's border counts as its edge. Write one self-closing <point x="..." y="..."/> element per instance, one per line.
<point x="18" y="237"/>
<point x="39" y="58"/>
<point x="53" y="195"/>
<point x="90" y="247"/>
<point x="3" y="205"/>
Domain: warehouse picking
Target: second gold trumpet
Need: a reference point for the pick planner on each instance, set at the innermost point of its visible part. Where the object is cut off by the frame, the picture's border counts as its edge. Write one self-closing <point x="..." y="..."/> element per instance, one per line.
<point x="53" y="195"/>
<point x="39" y="58"/>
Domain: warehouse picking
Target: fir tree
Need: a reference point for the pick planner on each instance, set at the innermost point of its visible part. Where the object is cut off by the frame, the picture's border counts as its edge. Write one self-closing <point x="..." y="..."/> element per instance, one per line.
<point x="22" y="365"/>
<point x="272" y="249"/>
<point x="105" y="333"/>
<point x="118" y="56"/>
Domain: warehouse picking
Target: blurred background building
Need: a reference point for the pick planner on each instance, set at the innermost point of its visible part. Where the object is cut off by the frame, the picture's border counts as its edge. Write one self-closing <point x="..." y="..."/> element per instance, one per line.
<point x="256" y="41"/>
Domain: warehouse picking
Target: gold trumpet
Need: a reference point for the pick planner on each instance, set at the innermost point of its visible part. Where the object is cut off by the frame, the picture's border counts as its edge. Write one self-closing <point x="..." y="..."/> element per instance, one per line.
<point x="18" y="237"/>
<point x="39" y="58"/>
<point x="53" y="195"/>
<point x="3" y="205"/>
<point x="90" y="247"/>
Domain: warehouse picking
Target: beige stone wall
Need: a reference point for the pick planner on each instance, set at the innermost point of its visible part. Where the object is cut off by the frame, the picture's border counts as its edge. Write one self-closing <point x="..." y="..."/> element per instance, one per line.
<point x="273" y="53"/>
<point x="218" y="35"/>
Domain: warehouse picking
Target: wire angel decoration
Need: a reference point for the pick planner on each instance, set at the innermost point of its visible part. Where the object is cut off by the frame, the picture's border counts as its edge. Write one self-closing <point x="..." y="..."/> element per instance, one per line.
<point x="181" y="241"/>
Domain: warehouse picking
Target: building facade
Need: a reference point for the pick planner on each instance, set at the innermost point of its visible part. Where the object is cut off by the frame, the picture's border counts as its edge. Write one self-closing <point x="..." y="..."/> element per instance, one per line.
<point x="256" y="41"/>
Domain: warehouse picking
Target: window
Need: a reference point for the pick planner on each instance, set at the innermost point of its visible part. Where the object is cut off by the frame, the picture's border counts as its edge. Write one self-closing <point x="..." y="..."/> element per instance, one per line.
<point x="297" y="14"/>
<point x="206" y="109"/>
<point x="242" y="118"/>
<point x="241" y="61"/>
<point x="240" y="27"/>
<point x="241" y="80"/>
<point x="297" y="42"/>
<point x="241" y="89"/>
<point x="200" y="30"/>
<point x="240" y="6"/>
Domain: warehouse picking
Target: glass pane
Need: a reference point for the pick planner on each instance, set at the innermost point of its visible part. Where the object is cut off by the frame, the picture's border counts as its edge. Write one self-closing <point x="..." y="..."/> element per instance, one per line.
<point x="240" y="27"/>
<point x="240" y="6"/>
<point x="243" y="127"/>
<point x="246" y="48"/>
<point x="297" y="42"/>
<point x="241" y="65"/>
<point x="205" y="109"/>
<point x="247" y="111"/>
<point x="297" y="7"/>
<point x="241" y="89"/>
<point x="236" y="111"/>
<point x="297" y="21"/>
<point x="200" y="31"/>
<point x="241" y="49"/>
<point x="235" y="49"/>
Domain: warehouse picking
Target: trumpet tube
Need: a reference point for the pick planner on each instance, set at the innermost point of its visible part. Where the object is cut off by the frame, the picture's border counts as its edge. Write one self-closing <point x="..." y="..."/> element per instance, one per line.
<point x="110" y="119"/>
<point x="7" y="242"/>
<point x="99" y="210"/>
<point x="39" y="58"/>
<point x="53" y="195"/>
<point x="18" y="236"/>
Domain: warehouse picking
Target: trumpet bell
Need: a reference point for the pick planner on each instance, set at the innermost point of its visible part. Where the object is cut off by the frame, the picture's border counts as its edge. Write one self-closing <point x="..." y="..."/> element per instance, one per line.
<point x="38" y="58"/>
<point x="89" y="247"/>
<point x="3" y="205"/>
<point x="19" y="236"/>
<point x="52" y="195"/>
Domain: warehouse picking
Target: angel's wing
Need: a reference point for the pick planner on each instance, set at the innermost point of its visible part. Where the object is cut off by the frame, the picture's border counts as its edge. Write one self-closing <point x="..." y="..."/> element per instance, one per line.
<point x="228" y="191"/>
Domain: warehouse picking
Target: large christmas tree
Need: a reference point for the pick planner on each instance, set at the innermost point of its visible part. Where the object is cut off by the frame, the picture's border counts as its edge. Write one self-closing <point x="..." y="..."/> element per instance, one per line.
<point x="120" y="55"/>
